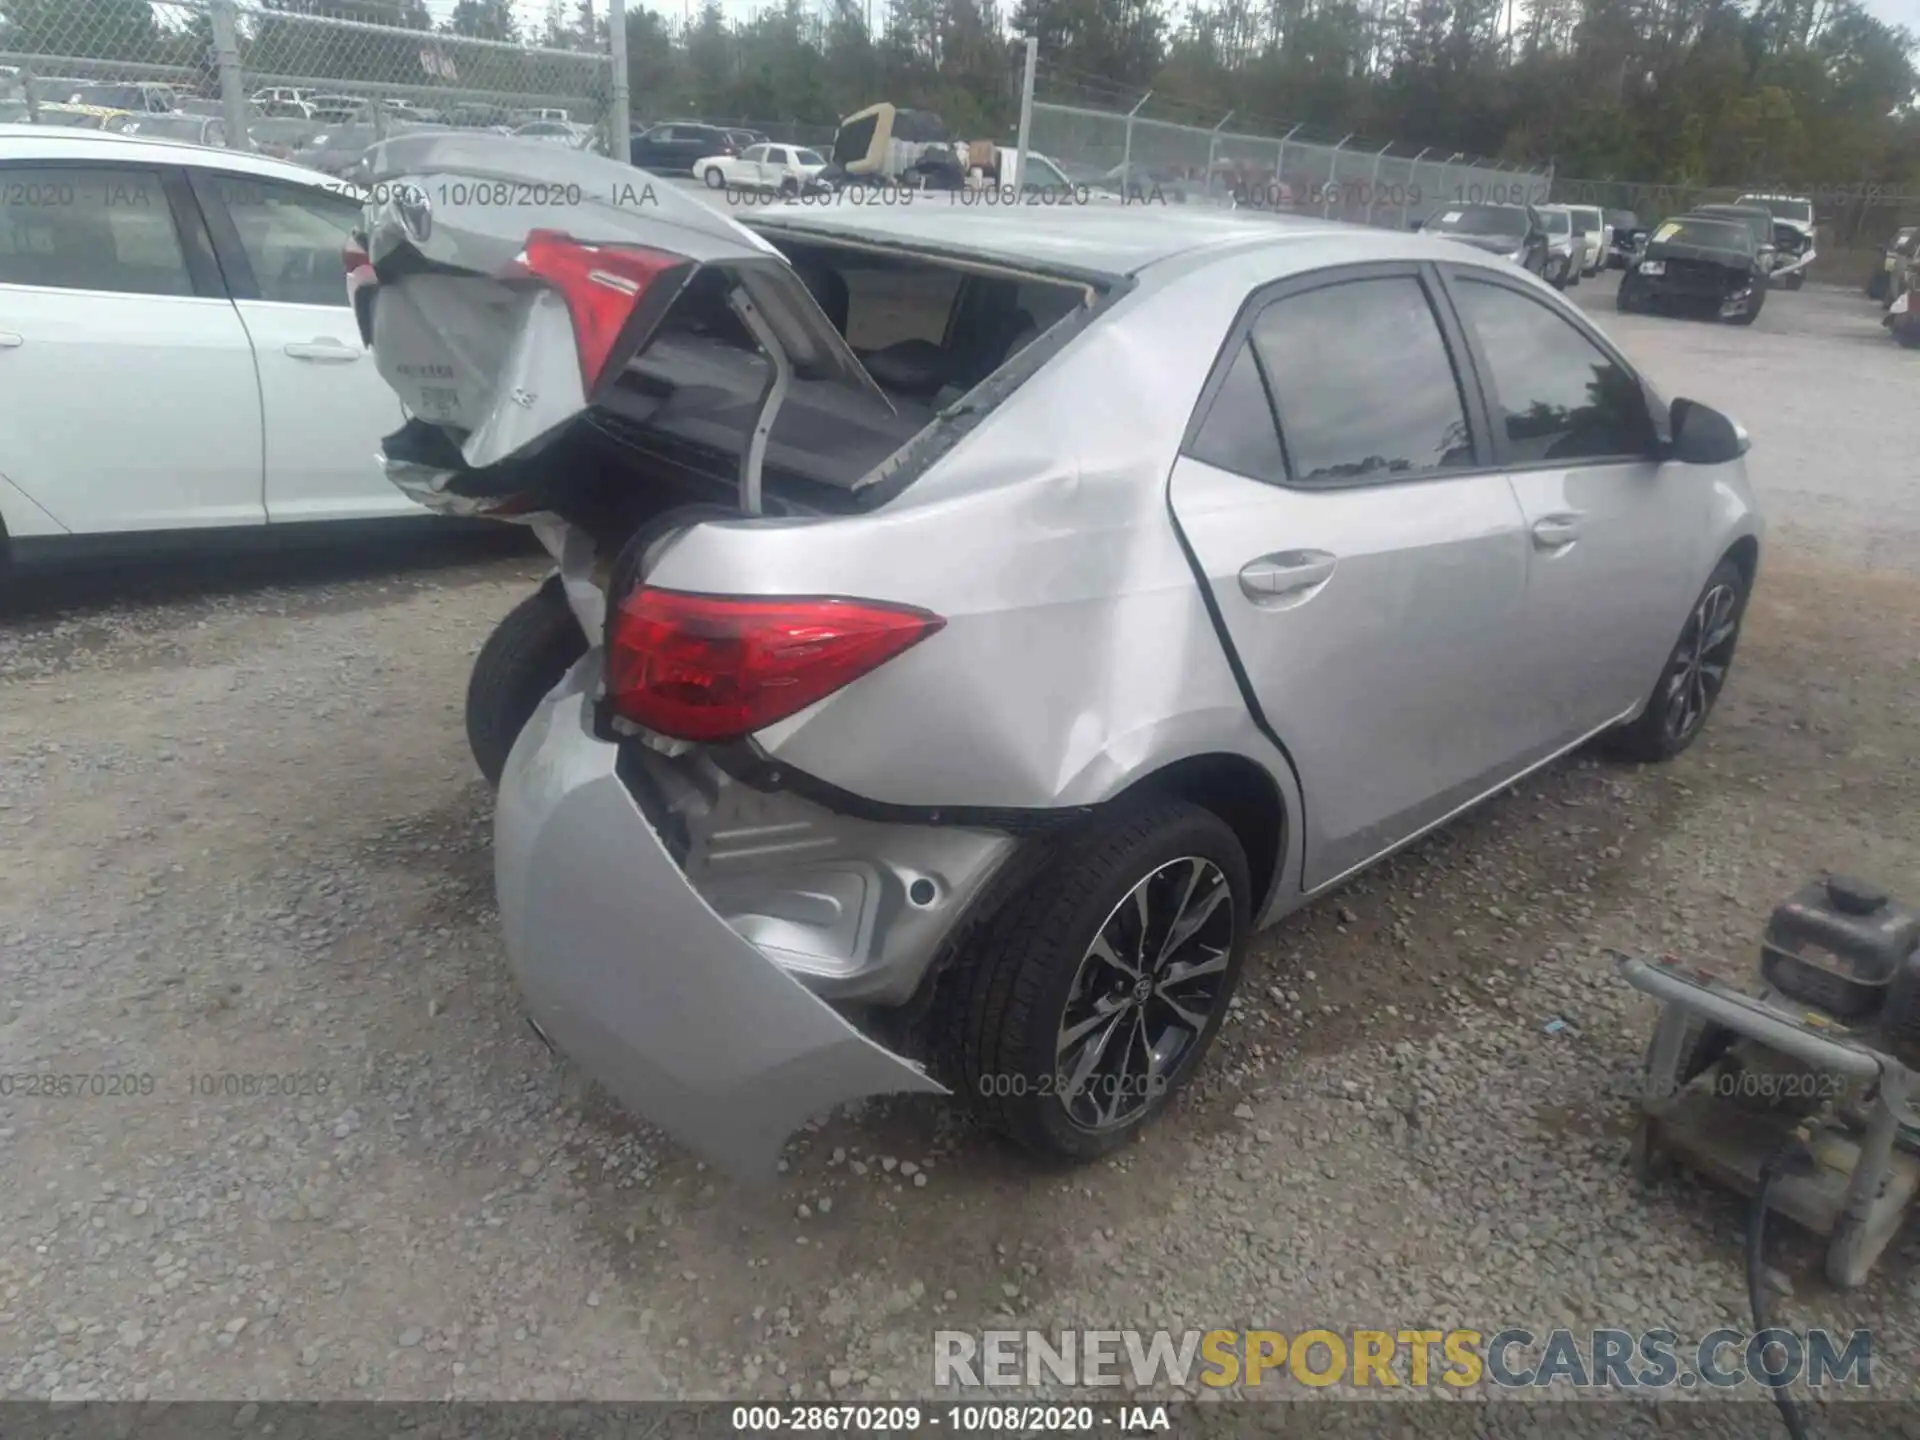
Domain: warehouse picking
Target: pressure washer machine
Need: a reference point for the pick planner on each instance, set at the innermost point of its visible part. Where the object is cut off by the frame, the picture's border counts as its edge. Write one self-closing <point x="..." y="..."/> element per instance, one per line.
<point x="1801" y="1096"/>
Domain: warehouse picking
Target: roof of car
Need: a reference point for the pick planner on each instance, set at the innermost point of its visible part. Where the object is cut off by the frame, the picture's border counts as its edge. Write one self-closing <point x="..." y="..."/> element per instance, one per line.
<point x="59" y="142"/>
<point x="1112" y="239"/>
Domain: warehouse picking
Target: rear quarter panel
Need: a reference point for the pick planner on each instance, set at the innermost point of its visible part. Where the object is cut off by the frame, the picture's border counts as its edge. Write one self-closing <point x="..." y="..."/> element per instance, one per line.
<point x="1078" y="654"/>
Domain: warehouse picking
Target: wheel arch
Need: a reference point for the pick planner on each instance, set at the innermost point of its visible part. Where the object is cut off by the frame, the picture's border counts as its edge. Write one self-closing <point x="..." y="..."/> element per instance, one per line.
<point x="1745" y="553"/>
<point x="1245" y="796"/>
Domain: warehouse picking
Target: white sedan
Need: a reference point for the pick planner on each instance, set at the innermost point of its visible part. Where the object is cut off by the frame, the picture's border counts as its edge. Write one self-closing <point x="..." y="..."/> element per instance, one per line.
<point x="785" y="169"/>
<point x="176" y="347"/>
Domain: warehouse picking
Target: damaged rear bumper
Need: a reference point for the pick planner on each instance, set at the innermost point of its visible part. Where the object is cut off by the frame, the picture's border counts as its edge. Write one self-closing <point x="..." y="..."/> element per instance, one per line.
<point x="626" y="967"/>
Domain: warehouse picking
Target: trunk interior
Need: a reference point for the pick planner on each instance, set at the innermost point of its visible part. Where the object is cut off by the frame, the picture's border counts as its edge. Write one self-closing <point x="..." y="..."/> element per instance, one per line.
<point x="677" y="422"/>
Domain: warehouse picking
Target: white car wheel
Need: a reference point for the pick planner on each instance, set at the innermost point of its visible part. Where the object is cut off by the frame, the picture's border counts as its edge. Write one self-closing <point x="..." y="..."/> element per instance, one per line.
<point x="715" y="180"/>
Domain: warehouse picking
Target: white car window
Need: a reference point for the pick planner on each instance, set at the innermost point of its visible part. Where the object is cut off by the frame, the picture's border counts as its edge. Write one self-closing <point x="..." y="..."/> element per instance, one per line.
<point x="292" y="236"/>
<point x="90" y="227"/>
<point x="808" y="157"/>
<point x="777" y="155"/>
<point x="1042" y="173"/>
<point x="754" y="152"/>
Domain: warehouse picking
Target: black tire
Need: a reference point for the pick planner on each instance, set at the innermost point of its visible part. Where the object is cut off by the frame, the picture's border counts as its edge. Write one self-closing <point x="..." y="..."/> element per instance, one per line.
<point x="1004" y="1043"/>
<point x="714" y="178"/>
<point x="1908" y="338"/>
<point x="1662" y="731"/>
<point x="525" y="657"/>
<point x="1747" y="317"/>
<point x="789" y="188"/>
<point x="1627" y="298"/>
<point x="1796" y="280"/>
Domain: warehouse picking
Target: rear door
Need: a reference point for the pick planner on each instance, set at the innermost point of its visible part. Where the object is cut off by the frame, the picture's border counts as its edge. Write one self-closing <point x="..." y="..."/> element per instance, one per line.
<point x="1365" y="558"/>
<point x="324" y="404"/>
<point x="127" y="392"/>
<point x="1611" y="531"/>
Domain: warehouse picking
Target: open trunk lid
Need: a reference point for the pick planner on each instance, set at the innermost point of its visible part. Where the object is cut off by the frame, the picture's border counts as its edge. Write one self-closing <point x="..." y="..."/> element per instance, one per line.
<point x="516" y="281"/>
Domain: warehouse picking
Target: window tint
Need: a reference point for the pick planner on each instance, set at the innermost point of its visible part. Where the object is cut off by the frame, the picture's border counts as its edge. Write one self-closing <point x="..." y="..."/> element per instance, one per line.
<point x="1557" y="395"/>
<point x="92" y="227"/>
<point x="755" y="152"/>
<point x="1043" y="174"/>
<point x="1362" y="382"/>
<point x="292" y="236"/>
<point x="1239" y="433"/>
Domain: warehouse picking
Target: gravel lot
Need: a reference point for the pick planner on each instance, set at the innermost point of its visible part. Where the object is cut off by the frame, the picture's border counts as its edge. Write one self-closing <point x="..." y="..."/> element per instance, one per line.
<point x="243" y="836"/>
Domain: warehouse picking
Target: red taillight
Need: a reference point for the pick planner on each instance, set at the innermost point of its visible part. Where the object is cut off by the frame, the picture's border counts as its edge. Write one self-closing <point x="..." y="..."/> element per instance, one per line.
<point x="601" y="285"/>
<point x="712" y="667"/>
<point x="360" y="284"/>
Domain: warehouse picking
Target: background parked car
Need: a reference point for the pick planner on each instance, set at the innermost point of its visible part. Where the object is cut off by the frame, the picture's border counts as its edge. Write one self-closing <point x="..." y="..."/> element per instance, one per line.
<point x="557" y="132"/>
<point x="1793" y="236"/>
<point x="190" y="129"/>
<point x="676" y="146"/>
<point x="1590" y="225"/>
<point x="183" y="312"/>
<point x="1514" y="231"/>
<point x="281" y="138"/>
<point x="782" y="169"/>
<point x="1759" y="223"/>
<point x="743" y="138"/>
<point x="1705" y="265"/>
<point x="1566" y="251"/>
<point x="1624" y="234"/>
<point x="270" y="97"/>
<point x="114" y="95"/>
<point x="81" y="117"/>
<point x="1893" y="259"/>
<point x="337" y="109"/>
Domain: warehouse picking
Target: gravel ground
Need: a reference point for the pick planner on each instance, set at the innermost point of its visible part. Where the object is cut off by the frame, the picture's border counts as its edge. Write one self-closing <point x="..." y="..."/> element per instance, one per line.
<point x="244" y="838"/>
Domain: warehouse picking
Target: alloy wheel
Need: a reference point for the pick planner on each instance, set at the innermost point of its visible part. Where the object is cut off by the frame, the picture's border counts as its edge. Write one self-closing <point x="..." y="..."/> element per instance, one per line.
<point x="1699" y="665"/>
<point x="1144" y="994"/>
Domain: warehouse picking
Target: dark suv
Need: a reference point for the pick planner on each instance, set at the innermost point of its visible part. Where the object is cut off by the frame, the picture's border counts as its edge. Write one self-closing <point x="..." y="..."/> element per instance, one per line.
<point x="674" y="145"/>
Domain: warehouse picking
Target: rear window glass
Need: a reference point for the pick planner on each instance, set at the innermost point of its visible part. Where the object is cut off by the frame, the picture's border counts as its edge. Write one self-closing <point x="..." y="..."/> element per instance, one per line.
<point x="1716" y="234"/>
<point x="1480" y="220"/>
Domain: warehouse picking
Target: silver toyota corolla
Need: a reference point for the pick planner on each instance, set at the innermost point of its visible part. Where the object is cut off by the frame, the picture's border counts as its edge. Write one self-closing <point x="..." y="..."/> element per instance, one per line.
<point x="971" y="622"/>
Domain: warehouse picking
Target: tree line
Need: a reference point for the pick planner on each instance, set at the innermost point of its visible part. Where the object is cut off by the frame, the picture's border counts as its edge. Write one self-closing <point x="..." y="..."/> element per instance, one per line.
<point x="1686" y="92"/>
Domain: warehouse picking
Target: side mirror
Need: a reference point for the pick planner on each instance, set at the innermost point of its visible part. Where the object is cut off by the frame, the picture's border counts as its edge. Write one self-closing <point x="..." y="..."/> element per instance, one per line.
<point x="1703" y="436"/>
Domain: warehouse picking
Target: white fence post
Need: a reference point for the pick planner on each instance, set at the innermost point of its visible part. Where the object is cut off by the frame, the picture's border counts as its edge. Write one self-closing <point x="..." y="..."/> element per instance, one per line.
<point x="619" y="103"/>
<point x="1026" y="115"/>
<point x="1280" y="186"/>
<point x="226" y="58"/>
<point x="1213" y="140"/>
<point x="1333" y="177"/>
<point x="1126" y="150"/>
<point x="1373" y="181"/>
<point x="1413" y="183"/>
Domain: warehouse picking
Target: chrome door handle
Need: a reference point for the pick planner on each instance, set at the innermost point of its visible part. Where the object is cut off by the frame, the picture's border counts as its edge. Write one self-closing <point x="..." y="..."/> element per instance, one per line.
<point x="1555" y="532"/>
<point x="1286" y="573"/>
<point x="327" y="350"/>
<point x="11" y="341"/>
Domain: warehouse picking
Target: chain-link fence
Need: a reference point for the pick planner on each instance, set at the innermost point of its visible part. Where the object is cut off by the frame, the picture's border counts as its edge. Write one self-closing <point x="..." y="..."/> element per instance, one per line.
<point x="1154" y="149"/>
<point x="287" y="80"/>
